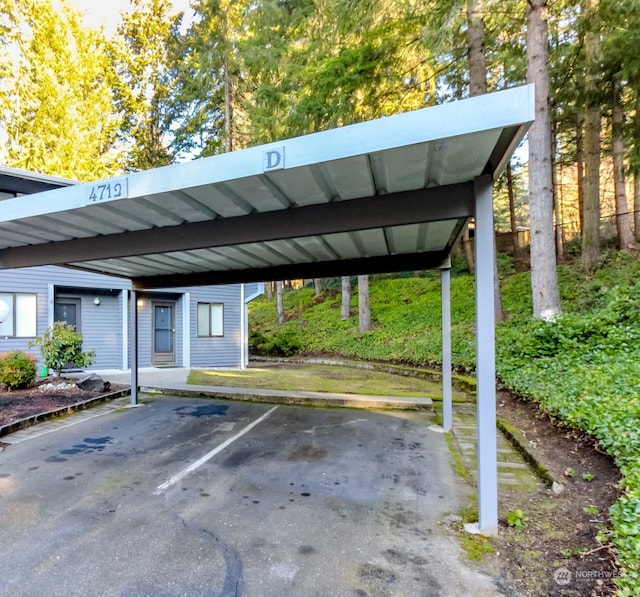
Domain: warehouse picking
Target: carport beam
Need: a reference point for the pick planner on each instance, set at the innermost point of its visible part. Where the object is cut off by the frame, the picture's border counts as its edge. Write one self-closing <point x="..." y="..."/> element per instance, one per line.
<point x="445" y="282"/>
<point x="134" y="348"/>
<point x="485" y="359"/>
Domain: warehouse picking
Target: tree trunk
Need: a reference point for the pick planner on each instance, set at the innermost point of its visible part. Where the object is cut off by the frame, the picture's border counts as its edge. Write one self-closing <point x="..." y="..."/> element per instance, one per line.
<point x="498" y="310"/>
<point x="228" y="104"/>
<point x="626" y="240"/>
<point x="591" y="199"/>
<point x="364" y="308"/>
<point x="317" y="284"/>
<point x="512" y="214"/>
<point x="636" y="201"/>
<point x="269" y="290"/>
<point x="345" y="308"/>
<point x="280" y="302"/>
<point x="228" y="109"/>
<point x="478" y="86"/>
<point x="636" y="170"/>
<point x="476" y="48"/>
<point x="580" y="170"/>
<point x="544" y="277"/>
<point x="557" y="207"/>
<point x="467" y="247"/>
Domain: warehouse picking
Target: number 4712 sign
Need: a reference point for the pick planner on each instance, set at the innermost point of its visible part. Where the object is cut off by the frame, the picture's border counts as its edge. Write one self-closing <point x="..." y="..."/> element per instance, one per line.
<point x="99" y="192"/>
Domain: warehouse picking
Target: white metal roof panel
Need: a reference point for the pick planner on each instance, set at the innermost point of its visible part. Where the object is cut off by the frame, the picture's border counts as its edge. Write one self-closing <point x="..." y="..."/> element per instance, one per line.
<point x="405" y="184"/>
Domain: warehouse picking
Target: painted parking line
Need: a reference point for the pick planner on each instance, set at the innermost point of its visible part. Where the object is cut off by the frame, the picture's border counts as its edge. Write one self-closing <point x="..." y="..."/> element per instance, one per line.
<point x="198" y="463"/>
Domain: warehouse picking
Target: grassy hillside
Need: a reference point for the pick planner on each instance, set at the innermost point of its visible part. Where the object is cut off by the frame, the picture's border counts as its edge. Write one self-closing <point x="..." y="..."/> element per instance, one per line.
<point x="583" y="368"/>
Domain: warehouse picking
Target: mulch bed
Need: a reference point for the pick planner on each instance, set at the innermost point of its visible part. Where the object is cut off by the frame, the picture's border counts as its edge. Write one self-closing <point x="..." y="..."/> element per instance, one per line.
<point x="562" y="529"/>
<point x="47" y="396"/>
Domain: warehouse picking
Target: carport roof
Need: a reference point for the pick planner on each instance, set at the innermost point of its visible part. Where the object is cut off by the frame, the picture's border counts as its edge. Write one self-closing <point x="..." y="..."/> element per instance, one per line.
<point x="15" y="182"/>
<point x="386" y="195"/>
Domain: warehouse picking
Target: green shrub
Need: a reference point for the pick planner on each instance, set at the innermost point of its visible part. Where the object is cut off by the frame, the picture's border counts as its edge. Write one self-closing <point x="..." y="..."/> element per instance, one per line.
<point x="506" y="264"/>
<point x="283" y="341"/>
<point x="61" y="346"/>
<point x="17" y="369"/>
<point x="585" y="369"/>
<point x="517" y="519"/>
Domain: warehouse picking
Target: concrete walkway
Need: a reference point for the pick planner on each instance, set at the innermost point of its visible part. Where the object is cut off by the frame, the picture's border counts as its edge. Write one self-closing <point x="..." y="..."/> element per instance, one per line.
<point x="173" y="380"/>
<point x="514" y="473"/>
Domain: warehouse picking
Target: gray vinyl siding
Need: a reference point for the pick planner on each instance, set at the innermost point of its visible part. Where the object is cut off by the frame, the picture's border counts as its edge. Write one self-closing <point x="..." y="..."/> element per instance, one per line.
<point x="102" y="325"/>
<point x="62" y="276"/>
<point x="144" y="333"/>
<point x="224" y="351"/>
<point x="253" y="289"/>
<point x="145" y="321"/>
<point x="9" y="282"/>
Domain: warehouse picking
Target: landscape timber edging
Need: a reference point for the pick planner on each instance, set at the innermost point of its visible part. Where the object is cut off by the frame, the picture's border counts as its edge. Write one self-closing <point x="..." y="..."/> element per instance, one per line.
<point x="59" y="412"/>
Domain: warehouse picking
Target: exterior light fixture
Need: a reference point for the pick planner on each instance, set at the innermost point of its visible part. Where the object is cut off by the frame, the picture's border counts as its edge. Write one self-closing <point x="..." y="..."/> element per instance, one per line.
<point x="96" y="301"/>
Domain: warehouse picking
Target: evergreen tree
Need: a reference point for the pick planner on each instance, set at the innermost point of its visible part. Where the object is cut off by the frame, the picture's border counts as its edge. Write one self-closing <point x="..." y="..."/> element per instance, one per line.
<point x="143" y="54"/>
<point x="56" y="108"/>
<point x="593" y="117"/>
<point x="621" y="36"/>
<point x="206" y="115"/>
<point x="544" y="280"/>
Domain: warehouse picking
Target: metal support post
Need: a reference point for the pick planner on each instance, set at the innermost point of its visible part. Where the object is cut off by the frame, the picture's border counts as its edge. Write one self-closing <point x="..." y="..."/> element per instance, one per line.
<point x="485" y="359"/>
<point x="134" y="348"/>
<point x="243" y="329"/>
<point x="445" y="282"/>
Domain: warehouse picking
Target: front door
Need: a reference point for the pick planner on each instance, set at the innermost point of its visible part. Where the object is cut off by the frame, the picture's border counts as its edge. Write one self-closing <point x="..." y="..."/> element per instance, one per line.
<point x="164" y="332"/>
<point x="67" y="309"/>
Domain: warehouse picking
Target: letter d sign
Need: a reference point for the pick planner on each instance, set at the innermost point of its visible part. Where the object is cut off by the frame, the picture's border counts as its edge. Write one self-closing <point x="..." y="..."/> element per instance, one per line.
<point x="273" y="159"/>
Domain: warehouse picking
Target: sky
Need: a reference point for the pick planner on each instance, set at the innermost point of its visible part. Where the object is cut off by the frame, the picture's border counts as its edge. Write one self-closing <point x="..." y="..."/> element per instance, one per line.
<point x="99" y="12"/>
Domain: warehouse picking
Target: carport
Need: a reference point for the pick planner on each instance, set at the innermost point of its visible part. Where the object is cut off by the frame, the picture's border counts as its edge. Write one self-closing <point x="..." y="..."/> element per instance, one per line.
<point x="387" y="195"/>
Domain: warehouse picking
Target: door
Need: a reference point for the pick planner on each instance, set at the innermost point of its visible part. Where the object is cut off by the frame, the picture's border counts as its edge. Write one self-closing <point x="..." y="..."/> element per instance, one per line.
<point x="164" y="352"/>
<point x="67" y="309"/>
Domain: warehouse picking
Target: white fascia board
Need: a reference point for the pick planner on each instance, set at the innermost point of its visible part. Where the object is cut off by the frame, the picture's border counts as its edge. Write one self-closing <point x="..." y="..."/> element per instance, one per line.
<point x="37" y="176"/>
<point x="39" y="204"/>
<point x="511" y="107"/>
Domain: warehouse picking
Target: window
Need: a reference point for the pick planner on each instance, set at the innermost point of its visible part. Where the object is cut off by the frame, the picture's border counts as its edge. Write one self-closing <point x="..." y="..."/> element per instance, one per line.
<point x="22" y="319"/>
<point x="210" y="319"/>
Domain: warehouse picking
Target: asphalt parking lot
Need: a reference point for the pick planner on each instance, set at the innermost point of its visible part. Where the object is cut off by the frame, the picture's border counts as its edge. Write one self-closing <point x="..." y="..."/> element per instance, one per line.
<point x="186" y="496"/>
